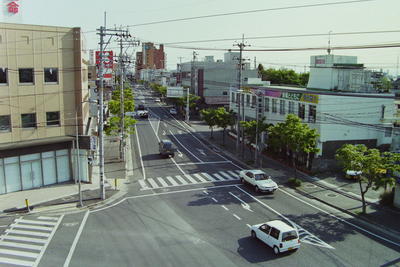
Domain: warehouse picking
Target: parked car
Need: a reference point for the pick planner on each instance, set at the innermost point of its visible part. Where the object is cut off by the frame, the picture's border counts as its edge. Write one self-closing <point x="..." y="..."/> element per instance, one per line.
<point x="157" y="100"/>
<point x="143" y="113"/>
<point x="173" y="111"/>
<point x="278" y="235"/>
<point x="259" y="179"/>
<point x="166" y="148"/>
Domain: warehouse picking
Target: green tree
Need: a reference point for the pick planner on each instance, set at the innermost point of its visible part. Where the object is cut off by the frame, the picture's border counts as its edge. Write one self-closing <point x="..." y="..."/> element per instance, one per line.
<point x="251" y="130"/>
<point x="224" y="119"/>
<point x="283" y="76"/>
<point x="376" y="169"/>
<point x="209" y="116"/>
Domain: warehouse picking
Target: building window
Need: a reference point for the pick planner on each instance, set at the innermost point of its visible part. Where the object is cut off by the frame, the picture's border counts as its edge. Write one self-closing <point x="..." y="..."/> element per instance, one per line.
<point x="302" y="111"/>
<point x="28" y="120"/>
<point x="53" y="118"/>
<point x="274" y="105"/>
<point x="253" y="101"/>
<point x="3" y="75"/>
<point x="282" y="107"/>
<point x="247" y="100"/>
<point x="5" y="123"/>
<point x="312" y="113"/>
<point x="233" y="97"/>
<point x="388" y="131"/>
<point x="266" y="104"/>
<point x="25" y="75"/>
<point x="51" y="75"/>
<point x="291" y="107"/>
<point x="224" y="93"/>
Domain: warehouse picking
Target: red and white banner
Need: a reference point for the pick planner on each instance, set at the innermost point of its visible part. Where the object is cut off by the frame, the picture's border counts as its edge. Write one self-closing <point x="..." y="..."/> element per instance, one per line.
<point x="107" y="59"/>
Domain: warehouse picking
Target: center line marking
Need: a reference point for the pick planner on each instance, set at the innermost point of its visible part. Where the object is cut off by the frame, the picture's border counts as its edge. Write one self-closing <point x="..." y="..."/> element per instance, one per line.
<point x="225" y="208"/>
<point x="205" y="192"/>
<point x="214" y="200"/>
<point x="237" y="217"/>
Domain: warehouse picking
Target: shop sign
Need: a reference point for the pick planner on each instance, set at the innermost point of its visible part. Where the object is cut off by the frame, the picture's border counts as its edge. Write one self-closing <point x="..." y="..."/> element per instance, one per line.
<point x="13" y="7"/>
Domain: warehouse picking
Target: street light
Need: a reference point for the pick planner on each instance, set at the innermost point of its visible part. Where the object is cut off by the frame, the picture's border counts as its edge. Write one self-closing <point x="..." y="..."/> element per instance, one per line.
<point x="78" y="152"/>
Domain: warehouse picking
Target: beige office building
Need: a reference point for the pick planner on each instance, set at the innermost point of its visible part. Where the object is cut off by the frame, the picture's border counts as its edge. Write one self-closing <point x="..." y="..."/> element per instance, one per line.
<point x="43" y="83"/>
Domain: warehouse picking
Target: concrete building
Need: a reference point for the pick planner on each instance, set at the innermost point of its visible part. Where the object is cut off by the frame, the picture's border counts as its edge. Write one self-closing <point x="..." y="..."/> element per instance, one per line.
<point x="43" y="82"/>
<point x="339" y="116"/>
<point x="150" y="58"/>
<point x="212" y="79"/>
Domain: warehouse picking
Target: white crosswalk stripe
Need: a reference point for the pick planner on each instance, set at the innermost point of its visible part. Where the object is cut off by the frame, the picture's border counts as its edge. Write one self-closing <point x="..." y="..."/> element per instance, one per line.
<point x="24" y="242"/>
<point x="187" y="179"/>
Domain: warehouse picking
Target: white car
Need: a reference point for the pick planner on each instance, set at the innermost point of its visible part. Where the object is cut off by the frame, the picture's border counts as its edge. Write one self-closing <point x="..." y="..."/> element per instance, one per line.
<point x="173" y="111"/>
<point x="278" y="235"/>
<point x="259" y="179"/>
<point x="157" y="100"/>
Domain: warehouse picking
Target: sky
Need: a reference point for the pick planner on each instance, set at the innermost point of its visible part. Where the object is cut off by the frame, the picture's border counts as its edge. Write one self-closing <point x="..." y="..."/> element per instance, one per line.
<point x="279" y="18"/>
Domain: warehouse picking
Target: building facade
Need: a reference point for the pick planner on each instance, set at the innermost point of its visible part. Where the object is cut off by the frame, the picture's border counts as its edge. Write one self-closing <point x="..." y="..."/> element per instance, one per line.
<point x="151" y="57"/>
<point x="43" y="83"/>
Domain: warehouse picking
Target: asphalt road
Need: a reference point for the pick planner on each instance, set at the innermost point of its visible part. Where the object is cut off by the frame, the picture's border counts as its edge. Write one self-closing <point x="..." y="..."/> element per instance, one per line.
<point x="191" y="210"/>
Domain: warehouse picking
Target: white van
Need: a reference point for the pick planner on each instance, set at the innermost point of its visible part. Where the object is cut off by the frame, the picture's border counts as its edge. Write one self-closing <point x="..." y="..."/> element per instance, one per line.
<point x="278" y="235"/>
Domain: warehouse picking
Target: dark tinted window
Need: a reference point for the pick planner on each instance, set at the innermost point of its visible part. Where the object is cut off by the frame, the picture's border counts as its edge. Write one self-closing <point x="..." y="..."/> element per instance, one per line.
<point x="3" y="75"/>
<point x="25" y="75"/>
<point x="287" y="236"/>
<point x="274" y="233"/>
<point x="53" y="118"/>
<point x="265" y="228"/>
<point x="50" y="75"/>
<point x="5" y="123"/>
<point x="28" y="120"/>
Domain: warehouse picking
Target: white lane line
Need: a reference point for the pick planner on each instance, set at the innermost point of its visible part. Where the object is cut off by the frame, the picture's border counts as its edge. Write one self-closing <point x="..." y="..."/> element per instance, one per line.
<point x="225" y="208"/>
<point x="143" y="184"/>
<point x="18" y="253"/>
<point x="172" y="181"/>
<point x="205" y="192"/>
<point x="219" y="177"/>
<point x="177" y="166"/>
<point x="248" y="225"/>
<point x="140" y="152"/>
<point x="229" y="177"/>
<point x="16" y="262"/>
<point x="163" y="193"/>
<point x="78" y="234"/>
<point x="340" y="219"/>
<point x="183" y="181"/>
<point x="48" y="218"/>
<point x="34" y="227"/>
<point x="237" y="217"/>
<point x="35" y="222"/>
<point x="162" y="182"/>
<point x="188" y="150"/>
<point x="152" y="183"/>
<point x="198" y="176"/>
<point x="216" y="201"/>
<point x="209" y="177"/>
<point x="30" y="233"/>
<point x="204" y="163"/>
<point x="19" y="245"/>
<point x="25" y="239"/>
<point x="190" y="178"/>
<point x="48" y="241"/>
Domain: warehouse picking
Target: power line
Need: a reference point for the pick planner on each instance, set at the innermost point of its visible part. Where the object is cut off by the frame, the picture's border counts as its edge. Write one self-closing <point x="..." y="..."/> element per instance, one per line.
<point x="249" y="12"/>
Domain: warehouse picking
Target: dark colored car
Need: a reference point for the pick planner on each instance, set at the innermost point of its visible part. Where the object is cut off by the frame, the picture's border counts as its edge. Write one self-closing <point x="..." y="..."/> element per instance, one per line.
<point x="166" y="148"/>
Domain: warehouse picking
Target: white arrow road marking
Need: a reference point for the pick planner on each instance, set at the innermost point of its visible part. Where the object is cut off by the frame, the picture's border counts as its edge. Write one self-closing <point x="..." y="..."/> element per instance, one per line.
<point x="179" y="131"/>
<point x="179" y="154"/>
<point x="165" y="125"/>
<point x="244" y="204"/>
<point x="201" y="151"/>
<point x="164" y="133"/>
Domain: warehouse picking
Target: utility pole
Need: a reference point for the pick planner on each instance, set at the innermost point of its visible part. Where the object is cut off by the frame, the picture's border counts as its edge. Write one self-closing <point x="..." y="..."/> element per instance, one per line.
<point x="101" y="118"/>
<point x="180" y="70"/>
<point x="241" y="46"/>
<point x="192" y="75"/>
<point x="187" y="106"/>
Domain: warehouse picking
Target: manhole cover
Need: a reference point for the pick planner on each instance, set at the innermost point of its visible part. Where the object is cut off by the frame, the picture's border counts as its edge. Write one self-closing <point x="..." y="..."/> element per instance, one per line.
<point x="331" y="195"/>
<point x="310" y="186"/>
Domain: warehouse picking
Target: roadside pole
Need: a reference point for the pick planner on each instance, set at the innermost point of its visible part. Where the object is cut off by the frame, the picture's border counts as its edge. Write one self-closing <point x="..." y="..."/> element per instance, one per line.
<point x="101" y="118"/>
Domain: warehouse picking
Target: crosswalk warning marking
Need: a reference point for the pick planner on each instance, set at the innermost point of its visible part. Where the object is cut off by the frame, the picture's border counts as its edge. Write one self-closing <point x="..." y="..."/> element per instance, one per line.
<point x="172" y="181"/>
<point x="198" y="176"/>
<point x="219" y="177"/>
<point x="162" y="182"/>
<point x="190" y="178"/>
<point x="152" y="183"/>
<point x="234" y="174"/>
<point x="227" y="175"/>
<point x="209" y="177"/>
<point x="143" y="184"/>
<point x="180" y="179"/>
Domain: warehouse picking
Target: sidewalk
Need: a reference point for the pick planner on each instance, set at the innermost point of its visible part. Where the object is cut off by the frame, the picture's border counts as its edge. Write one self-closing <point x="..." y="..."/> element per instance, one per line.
<point x="65" y="196"/>
<point x="329" y="188"/>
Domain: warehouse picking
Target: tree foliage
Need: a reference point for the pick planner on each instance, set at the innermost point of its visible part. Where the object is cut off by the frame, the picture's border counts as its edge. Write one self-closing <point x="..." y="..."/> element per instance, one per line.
<point x="113" y="124"/>
<point x="162" y="90"/>
<point x="251" y="130"/>
<point x="283" y="76"/>
<point x="209" y="116"/>
<point x="377" y="169"/>
<point x="294" y="138"/>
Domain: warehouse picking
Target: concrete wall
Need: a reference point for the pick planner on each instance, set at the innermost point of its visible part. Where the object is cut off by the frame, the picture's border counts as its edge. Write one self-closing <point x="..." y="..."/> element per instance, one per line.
<point x="39" y="47"/>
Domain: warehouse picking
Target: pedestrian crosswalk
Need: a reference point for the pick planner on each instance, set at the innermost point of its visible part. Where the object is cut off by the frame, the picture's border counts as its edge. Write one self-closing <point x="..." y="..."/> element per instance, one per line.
<point x="24" y="242"/>
<point x="186" y="179"/>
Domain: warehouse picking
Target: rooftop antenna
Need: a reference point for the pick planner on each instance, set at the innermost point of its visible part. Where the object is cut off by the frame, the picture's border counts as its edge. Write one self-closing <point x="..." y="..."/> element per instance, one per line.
<point x="329" y="43"/>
